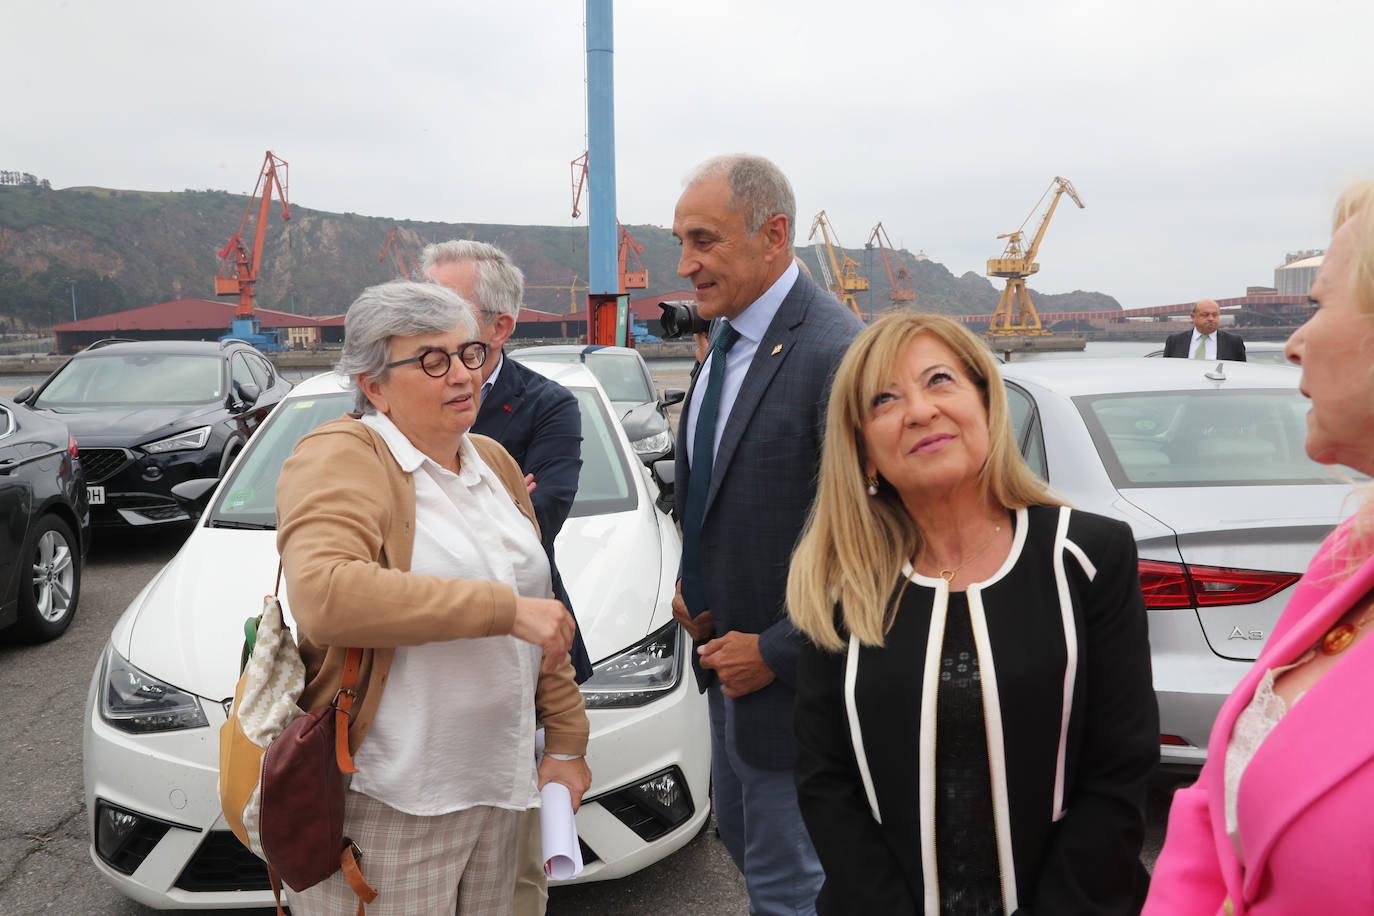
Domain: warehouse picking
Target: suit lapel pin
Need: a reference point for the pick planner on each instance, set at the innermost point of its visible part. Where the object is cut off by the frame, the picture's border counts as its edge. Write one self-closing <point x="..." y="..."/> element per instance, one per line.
<point x="506" y="408"/>
<point x="776" y="350"/>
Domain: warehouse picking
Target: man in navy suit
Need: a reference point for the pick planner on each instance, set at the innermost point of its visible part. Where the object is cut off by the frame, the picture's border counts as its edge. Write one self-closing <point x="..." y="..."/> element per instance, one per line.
<point x="1204" y="341"/>
<point x="749" y="443"/>
<point x="538" y="422"/>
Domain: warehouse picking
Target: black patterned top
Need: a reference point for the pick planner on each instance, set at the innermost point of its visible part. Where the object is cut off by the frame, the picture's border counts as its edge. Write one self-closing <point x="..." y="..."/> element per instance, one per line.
<point x="965" y="839"/>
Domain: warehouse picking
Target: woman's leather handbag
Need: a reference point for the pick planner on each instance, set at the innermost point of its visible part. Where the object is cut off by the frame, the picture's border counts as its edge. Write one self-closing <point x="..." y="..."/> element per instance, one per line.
<point x="281" y="772"/>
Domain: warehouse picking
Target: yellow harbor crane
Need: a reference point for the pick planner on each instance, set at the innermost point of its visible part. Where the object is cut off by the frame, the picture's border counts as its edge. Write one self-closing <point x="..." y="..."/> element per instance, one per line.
<point x="1016" y="264"/>
<point x="841" y="273"/>
<point x="902" y="293"/>
<point x="573" y="289"/>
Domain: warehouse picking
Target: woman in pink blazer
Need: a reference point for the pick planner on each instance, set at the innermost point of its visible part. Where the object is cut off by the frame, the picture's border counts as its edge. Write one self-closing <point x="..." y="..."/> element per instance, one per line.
<point x="1281" y="819"/>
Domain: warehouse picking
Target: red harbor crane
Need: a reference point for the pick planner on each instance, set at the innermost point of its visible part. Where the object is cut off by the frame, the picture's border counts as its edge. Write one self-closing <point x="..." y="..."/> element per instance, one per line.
<point x="629" y="248"/>
<point x="902" y="293"/>
<point x="239" y="265"/>
<point x="406" y="262"/>
<point x="579" y="180"/>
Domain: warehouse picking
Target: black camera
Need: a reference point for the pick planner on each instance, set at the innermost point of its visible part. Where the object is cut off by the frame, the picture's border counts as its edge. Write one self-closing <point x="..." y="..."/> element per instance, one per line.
<point x="681" y="319"/>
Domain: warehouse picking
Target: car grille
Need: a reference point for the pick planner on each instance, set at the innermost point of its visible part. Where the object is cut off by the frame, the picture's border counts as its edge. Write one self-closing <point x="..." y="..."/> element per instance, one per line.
<point x="103" y="463"/>
<point x="222" y="863"/>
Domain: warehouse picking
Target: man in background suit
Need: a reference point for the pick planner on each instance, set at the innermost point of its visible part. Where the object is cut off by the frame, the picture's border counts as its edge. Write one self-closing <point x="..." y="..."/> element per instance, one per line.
<point x="538" y="422"/>
<point x="755" y="420"/>
<point x="1204" y="341"/>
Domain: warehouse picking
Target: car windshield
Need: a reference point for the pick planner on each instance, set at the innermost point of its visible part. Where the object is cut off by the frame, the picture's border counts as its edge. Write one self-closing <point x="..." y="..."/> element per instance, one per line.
<point x="141" y="379"/>
<point x="248" y="496"/>
<point x="1205" y="438"/>
<point x="621" y="375"/>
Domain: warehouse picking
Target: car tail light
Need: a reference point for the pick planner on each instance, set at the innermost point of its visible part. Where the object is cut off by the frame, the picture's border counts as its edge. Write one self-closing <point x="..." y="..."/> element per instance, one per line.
<point x="1177" y="585"/>
<point x="71" y="446"/>
<point x="1173" y="741"/>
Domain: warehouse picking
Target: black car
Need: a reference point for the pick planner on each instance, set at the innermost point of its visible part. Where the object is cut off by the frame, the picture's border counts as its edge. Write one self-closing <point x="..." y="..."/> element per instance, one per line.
<point x="148" y="415"/>
<point x="44" y="523"/>
<point x="625" y="376"/>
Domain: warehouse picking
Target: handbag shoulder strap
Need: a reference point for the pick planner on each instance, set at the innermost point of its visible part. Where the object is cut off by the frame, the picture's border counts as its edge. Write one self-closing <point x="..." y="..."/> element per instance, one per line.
<point x="343" y="707"/>
<point x="343" y="700"/>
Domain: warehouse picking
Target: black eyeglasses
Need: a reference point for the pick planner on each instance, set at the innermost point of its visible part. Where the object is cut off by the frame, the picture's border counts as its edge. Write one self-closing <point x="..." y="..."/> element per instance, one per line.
<point x="437" y="362"/>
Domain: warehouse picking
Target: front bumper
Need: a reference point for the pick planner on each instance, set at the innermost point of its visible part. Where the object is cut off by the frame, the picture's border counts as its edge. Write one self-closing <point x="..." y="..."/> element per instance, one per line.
<point x="171" y="781"/>
<point x="138" y="488"/>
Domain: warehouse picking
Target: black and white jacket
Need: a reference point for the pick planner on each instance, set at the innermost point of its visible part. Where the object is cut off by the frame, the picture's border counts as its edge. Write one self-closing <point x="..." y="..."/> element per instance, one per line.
<point x="1072" y="731"/>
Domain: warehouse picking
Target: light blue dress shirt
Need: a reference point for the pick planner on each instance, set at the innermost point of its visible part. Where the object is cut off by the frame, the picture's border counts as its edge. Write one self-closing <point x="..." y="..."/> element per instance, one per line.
<point x="751" y="324"/>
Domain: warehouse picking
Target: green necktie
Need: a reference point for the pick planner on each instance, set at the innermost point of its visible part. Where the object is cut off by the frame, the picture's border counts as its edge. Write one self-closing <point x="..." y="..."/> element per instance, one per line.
<point x="1201" y="351"/>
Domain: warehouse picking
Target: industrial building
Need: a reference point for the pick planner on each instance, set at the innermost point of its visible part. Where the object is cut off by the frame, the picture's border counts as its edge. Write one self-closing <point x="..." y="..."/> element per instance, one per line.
<point x="184" y="319"/>
<point x="1295" y="275"/>
<point x="206" y="319"/>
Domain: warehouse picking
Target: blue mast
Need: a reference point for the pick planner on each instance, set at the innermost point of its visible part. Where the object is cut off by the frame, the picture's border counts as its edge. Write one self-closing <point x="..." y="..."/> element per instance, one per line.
<point x="601" y="220"/>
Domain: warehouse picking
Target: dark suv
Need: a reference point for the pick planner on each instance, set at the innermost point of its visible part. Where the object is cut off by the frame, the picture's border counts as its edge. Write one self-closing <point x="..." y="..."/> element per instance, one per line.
<point x="148" y="415"/>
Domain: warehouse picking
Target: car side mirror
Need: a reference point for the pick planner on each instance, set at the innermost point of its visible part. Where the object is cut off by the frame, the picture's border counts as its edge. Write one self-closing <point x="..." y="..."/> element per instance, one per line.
<point x="665" y="475"/>
<point x="249" y="393"/>
<point x="192" y="495"/>
<point x="672" y="396"/>
<point x="23" y="394"/>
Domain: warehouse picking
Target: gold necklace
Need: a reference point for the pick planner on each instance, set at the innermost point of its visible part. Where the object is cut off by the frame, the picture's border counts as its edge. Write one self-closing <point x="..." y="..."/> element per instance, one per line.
<point x="1342" y="635"/>
<point x="949" y="574"/>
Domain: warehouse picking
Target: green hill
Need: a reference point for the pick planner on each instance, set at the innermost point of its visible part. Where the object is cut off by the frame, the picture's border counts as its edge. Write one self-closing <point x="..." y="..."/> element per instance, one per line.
<point x="124" y="249"/>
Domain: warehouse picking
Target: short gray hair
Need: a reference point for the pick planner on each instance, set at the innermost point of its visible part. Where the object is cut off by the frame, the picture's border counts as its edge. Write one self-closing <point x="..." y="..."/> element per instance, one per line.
<point x="757" y="187"/>
<point x="400" y="308"/>
<point x="500" y="284"/>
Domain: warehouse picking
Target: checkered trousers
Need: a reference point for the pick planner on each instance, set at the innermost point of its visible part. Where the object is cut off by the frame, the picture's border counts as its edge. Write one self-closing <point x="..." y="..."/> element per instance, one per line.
<point x="459" y="863"/>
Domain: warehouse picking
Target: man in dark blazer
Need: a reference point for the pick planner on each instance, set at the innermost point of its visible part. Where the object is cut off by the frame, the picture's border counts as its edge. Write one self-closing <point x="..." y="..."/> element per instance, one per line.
<point x="538" y="422"/>
<point x="1214" y="344"/>
<point x="534" y="418"/>
<point x="782" y="337"/>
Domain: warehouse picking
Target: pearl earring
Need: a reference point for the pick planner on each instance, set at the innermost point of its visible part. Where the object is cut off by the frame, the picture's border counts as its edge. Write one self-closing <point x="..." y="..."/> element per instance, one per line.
<point x="872" y="481"/>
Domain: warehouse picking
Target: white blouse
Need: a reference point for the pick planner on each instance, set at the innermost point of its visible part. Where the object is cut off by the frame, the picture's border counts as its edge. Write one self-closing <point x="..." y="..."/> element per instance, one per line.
<point x="455" y="726"/>
<point x="1252" y="726"/>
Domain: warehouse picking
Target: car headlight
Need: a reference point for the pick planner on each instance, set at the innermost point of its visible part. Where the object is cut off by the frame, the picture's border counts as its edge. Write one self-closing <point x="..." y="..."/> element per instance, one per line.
<point x="639" y="675"/>
<point x="134" y="701"/>
<point x="652" y="445"/>
<point x="195" y="438"/>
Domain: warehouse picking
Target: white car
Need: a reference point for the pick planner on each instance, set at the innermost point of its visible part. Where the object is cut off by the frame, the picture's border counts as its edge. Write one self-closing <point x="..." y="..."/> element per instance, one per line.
<point x="1205" y="461"/>
<point x="160" y="690"/>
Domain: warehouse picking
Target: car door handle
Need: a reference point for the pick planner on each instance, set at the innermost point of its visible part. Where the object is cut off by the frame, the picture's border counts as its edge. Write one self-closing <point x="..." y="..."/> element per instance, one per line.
<point x="12" y="463"/>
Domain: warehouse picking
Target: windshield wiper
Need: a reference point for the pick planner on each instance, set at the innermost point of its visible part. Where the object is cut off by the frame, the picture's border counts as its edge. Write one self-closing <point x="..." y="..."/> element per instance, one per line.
<point x="246" y="526"/>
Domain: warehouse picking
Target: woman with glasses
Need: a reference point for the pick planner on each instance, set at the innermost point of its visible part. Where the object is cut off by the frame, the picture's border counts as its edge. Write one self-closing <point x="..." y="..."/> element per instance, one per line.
<point x="405" y="536"/>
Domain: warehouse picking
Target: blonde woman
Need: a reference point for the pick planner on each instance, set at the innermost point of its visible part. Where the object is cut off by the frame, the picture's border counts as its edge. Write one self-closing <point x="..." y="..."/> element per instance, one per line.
<point x="975" y="718"/>
<point x="1278" y="821"/>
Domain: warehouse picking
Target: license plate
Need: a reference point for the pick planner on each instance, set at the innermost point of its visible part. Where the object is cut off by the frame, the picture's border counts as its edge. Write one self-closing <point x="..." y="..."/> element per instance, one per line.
<point x="95" y="496"/>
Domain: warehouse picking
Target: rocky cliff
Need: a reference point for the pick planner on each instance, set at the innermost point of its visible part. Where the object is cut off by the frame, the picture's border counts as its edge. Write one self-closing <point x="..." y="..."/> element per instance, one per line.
<point x="123" y="249"/>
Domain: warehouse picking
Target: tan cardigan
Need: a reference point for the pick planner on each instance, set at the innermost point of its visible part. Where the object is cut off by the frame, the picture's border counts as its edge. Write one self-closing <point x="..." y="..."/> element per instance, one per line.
<point x="345" y="531"/>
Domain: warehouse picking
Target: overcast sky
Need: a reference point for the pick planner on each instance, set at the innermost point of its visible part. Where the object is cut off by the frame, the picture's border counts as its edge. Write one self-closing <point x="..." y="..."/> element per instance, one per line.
<point x="1205" y="138"/>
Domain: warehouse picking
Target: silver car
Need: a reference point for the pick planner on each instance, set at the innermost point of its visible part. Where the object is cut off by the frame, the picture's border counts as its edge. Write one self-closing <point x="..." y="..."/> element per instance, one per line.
<point x="622" y="372"/>
<point x="1205" y="461"/>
